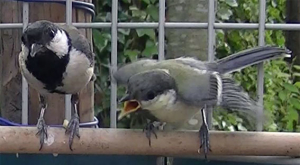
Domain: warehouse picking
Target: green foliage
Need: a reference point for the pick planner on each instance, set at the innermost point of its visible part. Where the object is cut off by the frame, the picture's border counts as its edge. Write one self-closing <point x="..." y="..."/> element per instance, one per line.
<point x="281" y="93"/>
<point x="132" y="44"/>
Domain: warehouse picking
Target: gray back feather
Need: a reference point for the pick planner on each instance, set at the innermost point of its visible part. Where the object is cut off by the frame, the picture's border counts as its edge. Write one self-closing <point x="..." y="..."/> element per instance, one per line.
<point x="79" y="41"/>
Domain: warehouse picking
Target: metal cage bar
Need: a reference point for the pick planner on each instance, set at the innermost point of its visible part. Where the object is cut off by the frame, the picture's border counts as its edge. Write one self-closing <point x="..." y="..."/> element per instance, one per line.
<point x="114" y="63"/>
<point x="260" y="67"/>
<point x="171" y="25"/>
<point x="210" y="50"/>
<point x="161" y="30"/>
<point x="68" y="107"/>
<point x="24" y="82"/>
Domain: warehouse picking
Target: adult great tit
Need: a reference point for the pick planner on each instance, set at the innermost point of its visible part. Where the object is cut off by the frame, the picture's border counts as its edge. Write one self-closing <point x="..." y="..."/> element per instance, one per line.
<point x="174" y="90"/>
<point x="56" y="59"/>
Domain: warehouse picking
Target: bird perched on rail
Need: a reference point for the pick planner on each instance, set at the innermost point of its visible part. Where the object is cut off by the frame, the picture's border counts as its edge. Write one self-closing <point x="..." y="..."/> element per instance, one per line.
<point x="174" y="90"/>
<point x="56" y="59"/>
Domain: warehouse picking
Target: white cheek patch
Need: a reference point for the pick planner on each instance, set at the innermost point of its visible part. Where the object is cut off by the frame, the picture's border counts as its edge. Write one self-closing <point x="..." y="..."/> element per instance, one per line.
<point x="163" y="101"/>
<point x="59" y="43"/>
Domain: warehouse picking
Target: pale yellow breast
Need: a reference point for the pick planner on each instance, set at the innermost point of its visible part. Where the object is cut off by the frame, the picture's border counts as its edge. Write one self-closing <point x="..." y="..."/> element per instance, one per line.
<point x="176" y="114"/>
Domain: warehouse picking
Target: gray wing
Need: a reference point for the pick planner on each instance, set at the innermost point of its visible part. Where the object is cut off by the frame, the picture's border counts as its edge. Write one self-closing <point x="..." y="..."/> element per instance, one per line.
<point x="125" y="72"/>
<point x="195" y="63"/>
<point x="79" y="41"/>
<point x="201" y="90"/>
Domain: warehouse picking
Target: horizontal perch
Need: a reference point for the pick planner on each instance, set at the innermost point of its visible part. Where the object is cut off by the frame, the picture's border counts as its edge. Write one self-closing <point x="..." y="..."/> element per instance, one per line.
<point x="134" y="142"/>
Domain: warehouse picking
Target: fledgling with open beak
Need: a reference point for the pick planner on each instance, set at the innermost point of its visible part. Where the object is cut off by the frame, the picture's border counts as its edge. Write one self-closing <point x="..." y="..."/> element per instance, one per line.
<point x="174" y="90"/>
<point x="56" y="59"/>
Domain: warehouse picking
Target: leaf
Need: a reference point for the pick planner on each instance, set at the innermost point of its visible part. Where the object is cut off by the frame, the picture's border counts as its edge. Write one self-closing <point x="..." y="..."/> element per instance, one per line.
<point x="132" y="54"/>
<point x="124" y="31"/>
<point x="121" y="38"/>
<point x="290" y="87"/>
<point x="148" y="32"/>
<point x="282" y="74"/>
<point x="282" y="95"/>
<point x="296" y="74"/>
<point x="292" y="116"/>
<point x="295" y="102"/>
<point x="231" y="3"/>
<point x="147" y="1"/>
<point x="297" y="84"/>
<point x="153" y="12"/>
<point x="150" y="49"/>
<point x="100" y="40"/>
<point x="224" y="13"/>
<point x="296" y="67"/>
<point x="127" y="1"/>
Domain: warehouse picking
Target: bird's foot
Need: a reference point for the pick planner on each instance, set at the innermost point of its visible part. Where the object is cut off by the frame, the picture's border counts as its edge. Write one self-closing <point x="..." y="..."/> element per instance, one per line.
<point x="42" y="131"/>
<point x="149" y="129"/>
<point x="73" y="129"/>
<point x="204" y="139"/>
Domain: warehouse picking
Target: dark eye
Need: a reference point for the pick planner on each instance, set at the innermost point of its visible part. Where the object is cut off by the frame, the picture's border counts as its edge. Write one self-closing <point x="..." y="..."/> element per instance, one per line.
<point x="150" y="95"/>
<point x="52" y="33"/>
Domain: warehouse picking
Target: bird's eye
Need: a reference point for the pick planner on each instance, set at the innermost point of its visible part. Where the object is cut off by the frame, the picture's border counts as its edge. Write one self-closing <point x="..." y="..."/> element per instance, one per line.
<point x="51" y="33"/>
<point x="150" y="95"/>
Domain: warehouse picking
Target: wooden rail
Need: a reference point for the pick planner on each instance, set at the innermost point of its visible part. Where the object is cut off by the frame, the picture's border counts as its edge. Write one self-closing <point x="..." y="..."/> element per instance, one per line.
<point x="134" y="142"/>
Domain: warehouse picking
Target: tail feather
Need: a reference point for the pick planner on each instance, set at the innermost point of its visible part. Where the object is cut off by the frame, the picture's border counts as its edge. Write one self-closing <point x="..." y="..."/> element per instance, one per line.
<point x="236" y="99"/>
<point x="249" y="57"/>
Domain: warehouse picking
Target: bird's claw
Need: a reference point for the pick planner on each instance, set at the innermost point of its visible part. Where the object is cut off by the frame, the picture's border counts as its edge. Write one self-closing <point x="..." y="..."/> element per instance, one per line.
<point x="42" y="131"/>
<point x="204" y="137"/>
<point x="73" y="129"/>
<point x="150" y="128"/>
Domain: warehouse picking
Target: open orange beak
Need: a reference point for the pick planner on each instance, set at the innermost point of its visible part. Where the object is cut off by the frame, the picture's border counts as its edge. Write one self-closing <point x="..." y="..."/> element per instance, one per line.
<point x="129" y="107"/>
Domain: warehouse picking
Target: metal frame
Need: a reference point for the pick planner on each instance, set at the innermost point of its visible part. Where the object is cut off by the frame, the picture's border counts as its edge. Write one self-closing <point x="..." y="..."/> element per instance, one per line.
<point x="161" y="25"/>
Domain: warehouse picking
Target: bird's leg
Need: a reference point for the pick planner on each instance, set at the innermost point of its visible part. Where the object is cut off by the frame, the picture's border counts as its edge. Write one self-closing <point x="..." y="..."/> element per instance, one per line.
<point x="149" y="129"/>
<point x="41" y="124"/>
<point x="204" y="135"/>
<point x="73" y="126"/>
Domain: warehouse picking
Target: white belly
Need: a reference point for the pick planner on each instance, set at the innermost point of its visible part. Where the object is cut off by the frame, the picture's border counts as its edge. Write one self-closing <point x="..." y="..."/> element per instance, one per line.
<point x="166" y="108"/>
<point x="77" y="75"/>
<point x="175" y="114"/>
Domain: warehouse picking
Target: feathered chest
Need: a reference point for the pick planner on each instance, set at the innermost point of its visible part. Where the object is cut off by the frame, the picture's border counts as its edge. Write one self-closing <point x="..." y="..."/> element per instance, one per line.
<point x="167" y="108"/>
<point x="47" y="67"/>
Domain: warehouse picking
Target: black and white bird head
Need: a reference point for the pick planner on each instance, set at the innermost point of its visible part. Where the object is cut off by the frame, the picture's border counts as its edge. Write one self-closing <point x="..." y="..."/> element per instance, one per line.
<point x="150" y="90"/>
<point x="45" y="34"/>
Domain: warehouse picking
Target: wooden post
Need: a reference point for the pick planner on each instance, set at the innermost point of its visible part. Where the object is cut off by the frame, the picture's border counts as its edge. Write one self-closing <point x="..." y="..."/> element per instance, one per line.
<point x="11" y="78"/>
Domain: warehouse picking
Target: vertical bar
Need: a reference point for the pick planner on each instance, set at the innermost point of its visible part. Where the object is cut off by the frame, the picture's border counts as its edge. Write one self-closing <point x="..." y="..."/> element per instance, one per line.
<point x="68" y="107"/>
<point x="161" y="49"/>
<point x="161" y="30"/>
<point x="211" y="55"/>
<point x="114" y="56"/>
<point x="24" y="82"/>
<point x="260" y="67"/>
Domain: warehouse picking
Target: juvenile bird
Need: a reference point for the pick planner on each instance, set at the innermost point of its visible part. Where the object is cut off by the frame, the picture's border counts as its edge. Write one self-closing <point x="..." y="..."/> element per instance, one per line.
<point x="174" y="90"/>
<point x="56" y="59"/>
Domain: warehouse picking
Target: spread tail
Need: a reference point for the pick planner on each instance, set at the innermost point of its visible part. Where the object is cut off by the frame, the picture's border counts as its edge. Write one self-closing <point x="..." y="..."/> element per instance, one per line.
<point x="234" y="98"/>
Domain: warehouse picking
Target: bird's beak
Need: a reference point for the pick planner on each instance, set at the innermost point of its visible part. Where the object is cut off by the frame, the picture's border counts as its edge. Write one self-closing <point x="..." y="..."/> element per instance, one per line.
<point x="35" y="48"/>
<point x="129" y="106"/>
